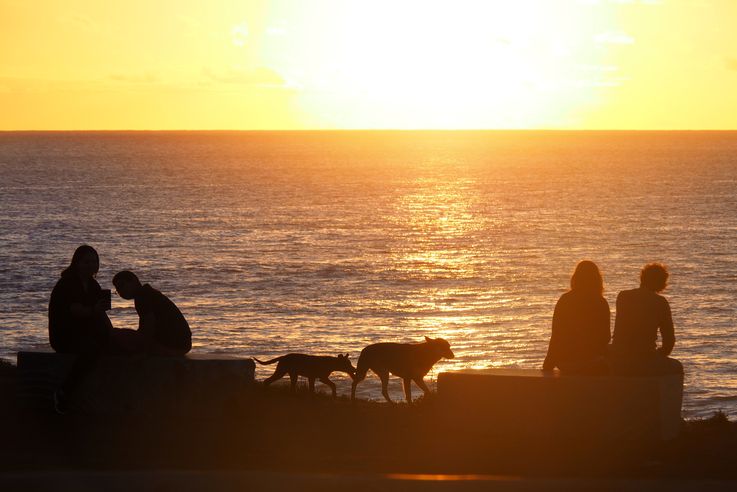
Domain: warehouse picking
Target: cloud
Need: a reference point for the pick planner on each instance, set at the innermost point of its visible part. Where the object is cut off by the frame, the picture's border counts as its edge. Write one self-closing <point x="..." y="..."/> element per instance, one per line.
<point x="276" y="31"/>
<point x="239" y="34"/>
<point x="614" y="37"/>
<point x="598" y="76"/>
<point x="42" y="85"/>
<point x="621" y="2"/>
<point x="146" y="77"/>
<point x="80" y="22"/>
<point x="261" y="76"/>
<point x="595" y="68"/>
<point x="731" y="63"/>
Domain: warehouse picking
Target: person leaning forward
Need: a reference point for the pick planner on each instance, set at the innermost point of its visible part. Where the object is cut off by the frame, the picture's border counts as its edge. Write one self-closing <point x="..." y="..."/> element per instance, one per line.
<point x="162" y="328"/>
<point x="641" y="314"/>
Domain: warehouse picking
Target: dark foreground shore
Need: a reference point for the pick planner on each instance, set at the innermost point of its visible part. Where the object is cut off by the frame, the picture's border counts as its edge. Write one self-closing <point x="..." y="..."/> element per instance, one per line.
<point x="276" y="433"/>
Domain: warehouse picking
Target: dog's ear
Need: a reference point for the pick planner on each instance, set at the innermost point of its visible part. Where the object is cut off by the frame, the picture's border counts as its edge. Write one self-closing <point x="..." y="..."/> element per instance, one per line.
<point x="346" y="356"/>
<point x="428" y="339"/>
<point x="340" y="356"/>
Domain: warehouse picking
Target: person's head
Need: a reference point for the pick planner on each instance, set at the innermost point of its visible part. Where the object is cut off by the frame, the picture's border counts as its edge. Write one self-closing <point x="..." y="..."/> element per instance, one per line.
<point x="654" y="276"/>
<point x="85" y="262"/>
<point x="587" y="278"/>
<point x="127" y="284"/>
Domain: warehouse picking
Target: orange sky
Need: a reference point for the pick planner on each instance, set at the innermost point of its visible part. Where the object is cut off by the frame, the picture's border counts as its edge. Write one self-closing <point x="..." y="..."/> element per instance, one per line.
<point x="304" y="64"/>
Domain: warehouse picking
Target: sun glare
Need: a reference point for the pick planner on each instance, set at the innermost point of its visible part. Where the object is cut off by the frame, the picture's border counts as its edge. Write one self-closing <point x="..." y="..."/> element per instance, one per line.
<point x="441" y="65"/>
<point x="354" y="64"/>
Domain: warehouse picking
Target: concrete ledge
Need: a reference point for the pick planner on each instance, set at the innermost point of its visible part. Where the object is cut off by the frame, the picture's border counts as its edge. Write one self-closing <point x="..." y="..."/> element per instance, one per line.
<point x="137" y="384"/>
<point x="535" y="403"/>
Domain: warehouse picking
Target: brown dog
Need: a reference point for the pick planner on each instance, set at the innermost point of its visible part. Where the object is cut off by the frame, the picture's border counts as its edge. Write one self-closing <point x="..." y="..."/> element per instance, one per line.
<point x="311" y="366"/>
<point x="409" y="361"/>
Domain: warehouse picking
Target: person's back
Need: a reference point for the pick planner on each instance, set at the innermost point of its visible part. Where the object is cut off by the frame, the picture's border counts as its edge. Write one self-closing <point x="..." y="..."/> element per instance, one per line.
<point x="581" y="329"/>
<point x="580" y="332"/>
<point x="641" y="314"/>
<point x="171" y="328"/>
<point x="162" y="328"/>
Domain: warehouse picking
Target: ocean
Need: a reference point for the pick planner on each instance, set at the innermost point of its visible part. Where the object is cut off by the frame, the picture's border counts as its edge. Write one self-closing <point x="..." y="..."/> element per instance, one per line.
<point x="325" y="242"/>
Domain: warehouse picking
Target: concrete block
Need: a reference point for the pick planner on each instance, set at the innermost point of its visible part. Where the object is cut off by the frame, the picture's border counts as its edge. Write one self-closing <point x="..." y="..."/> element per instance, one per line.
<point x="135" y="384"/>
<point x="534" y="403"/>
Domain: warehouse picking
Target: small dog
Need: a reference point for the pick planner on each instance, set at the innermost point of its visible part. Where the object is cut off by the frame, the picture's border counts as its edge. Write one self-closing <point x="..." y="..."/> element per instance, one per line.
<point x="409" y="361"/>
<point x="311" y="366"/>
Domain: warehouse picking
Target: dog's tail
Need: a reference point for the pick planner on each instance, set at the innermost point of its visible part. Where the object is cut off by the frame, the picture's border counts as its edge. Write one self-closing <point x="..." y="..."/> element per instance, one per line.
<point x="268" y="361"/>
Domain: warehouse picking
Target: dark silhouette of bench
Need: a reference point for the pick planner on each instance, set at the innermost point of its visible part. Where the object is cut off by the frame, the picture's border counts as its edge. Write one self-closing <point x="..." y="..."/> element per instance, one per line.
<point x="545" y="404"/>
<point x="135" y="384"/>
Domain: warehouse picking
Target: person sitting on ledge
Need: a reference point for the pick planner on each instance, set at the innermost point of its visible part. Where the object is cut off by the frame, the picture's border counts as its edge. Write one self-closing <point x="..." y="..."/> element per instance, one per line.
<point x="162" y="328"/>
<point x="581" y="321"/>
<point x="77" y="320"/>
<point x="641" y="313"/>
<point x="78" y="323"/>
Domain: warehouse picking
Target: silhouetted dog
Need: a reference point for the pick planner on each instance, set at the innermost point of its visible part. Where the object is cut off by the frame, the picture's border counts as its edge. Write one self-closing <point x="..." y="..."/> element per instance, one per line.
<point x="409" y="361"/>
<point x="311" y="366"/>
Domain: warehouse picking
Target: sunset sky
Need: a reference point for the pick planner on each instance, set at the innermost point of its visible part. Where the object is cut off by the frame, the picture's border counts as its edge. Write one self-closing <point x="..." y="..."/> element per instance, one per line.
<point x="316" y="64"/>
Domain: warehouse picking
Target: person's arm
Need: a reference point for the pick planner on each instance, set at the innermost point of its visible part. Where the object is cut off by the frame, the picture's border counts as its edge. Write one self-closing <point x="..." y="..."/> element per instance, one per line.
<point x="551" y="359"/>
<point x="65" y="298"/>
<point x="147" y="327"/>
<point x="604" y="324"/>
<point x="79" y="310"/>
<point x="667" y="332"/>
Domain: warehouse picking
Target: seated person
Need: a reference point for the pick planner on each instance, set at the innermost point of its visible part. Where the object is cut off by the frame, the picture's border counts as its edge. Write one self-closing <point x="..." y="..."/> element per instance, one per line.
<point x="641" y="314"/>
<point x="162" y="328"/>
<point x="77" y="319"/>
<point x="78" y="323"/>
<point x="580" y="335"/>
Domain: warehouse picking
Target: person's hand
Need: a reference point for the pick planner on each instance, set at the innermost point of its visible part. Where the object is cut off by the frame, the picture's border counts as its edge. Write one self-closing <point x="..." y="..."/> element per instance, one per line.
<point x="99" y="306"/>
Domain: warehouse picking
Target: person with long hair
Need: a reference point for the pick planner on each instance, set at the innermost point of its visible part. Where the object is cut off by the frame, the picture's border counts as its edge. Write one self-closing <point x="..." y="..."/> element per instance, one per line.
<point x="77" y="319"/>
<point x="78" y="323"/>
<point x="581" y="325"/>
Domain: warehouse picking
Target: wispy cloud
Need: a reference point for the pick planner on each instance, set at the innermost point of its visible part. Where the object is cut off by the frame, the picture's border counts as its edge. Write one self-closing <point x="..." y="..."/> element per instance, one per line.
<point x="595" y="75"/>
<point x="80" y="22"/>
<point x="614" y="37"/>
<point x="620" y="2"/>
<point x="138" y="78"/>
<point x="261" y="76"/>
<point x="239" y="34"/>
<point x="276" y="31"/>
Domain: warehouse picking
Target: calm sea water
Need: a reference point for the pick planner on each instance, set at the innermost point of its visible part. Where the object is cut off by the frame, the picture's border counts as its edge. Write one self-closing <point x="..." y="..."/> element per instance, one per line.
<point x="325" y="242"/>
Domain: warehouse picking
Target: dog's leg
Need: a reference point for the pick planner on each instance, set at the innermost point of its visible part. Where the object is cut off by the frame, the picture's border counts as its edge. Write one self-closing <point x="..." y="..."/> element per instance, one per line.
<point x="384" y="376"/>
<point x="293" y="376"/>
<point x="278" y="374"/>
<point x="408" y="389"/>
<point x="421" y="383"/>
<point x="331" y="384"/>
<point x="359" y="376"/>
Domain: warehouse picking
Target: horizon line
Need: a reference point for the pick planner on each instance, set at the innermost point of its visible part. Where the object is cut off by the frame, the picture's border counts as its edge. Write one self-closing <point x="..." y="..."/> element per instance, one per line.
<point x="314" y="130"/>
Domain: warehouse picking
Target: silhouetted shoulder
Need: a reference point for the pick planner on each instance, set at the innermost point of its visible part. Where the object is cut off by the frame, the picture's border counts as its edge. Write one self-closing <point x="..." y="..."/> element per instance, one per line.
<point x="575" y="300"/>
<point x="625" y="294"/>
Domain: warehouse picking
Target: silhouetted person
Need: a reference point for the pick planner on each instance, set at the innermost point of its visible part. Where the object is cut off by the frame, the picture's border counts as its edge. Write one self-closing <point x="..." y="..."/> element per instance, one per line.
<point x="581" y="321"/>
<point x="78" y="323"/>
<point x="162" y="328"/>
<point x="77" y="318"/>
<point x="641" y="314"/>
